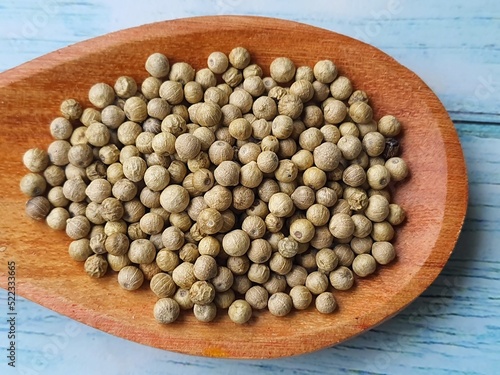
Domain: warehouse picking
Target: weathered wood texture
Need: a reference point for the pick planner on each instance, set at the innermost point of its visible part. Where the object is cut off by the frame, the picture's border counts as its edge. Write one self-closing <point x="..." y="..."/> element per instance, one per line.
<point x="453" y="327"/>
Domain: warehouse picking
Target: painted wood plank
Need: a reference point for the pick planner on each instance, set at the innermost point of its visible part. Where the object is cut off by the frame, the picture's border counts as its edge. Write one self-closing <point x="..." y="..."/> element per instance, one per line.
<point x="453" y="328"/>
<point x="452" y="45"/>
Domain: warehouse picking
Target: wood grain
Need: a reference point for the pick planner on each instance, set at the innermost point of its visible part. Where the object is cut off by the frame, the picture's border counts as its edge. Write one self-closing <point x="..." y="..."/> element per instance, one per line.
<point x="435" y="197"/>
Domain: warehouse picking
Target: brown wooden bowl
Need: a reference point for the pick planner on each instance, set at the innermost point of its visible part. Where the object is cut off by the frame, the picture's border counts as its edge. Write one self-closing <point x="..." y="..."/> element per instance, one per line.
<point x="435" y="196"/>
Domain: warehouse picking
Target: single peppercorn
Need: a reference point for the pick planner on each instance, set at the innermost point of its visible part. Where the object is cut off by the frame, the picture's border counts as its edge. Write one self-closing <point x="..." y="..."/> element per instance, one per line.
<point x="96" y="266"/>
<point x="240" y="311"/>
<point x="325" y="303"/>
<point x="282" y="69"/>
<point x="166" y="310"/>
<point x="342" y="278"/>
<point x="130" y="278"/>
<point x="280" y="304"/>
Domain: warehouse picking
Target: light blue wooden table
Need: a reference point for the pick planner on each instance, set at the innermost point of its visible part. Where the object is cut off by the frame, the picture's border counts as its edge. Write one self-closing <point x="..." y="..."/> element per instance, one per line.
<point x="454" y="327"/>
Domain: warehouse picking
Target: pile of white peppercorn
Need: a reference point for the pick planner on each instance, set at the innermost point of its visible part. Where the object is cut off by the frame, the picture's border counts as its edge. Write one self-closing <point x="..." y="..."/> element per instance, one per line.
<point x="223" y="188"/>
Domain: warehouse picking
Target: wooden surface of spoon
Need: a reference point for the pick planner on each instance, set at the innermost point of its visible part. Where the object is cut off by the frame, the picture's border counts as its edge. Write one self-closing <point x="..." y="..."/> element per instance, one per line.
<point x="435" y="196"/>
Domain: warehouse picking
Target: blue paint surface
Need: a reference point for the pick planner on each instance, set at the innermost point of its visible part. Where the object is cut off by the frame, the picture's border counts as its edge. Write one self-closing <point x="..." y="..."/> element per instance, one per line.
<point x="454" y="327"/>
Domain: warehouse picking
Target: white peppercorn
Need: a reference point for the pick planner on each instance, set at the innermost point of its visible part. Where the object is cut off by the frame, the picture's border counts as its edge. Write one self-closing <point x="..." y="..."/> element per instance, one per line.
<point x="124" y="190"/>
<point x="361" y="245"/>
<point x="181" y="296"/>
<point x="97" y="239"/>
<point x="325" y="303"/>
<point x="217" y="62"/>
<point x="205" y="313"/>
<point x="254" y="85"/>
<point x="239" y="57"/>
<point x="130" y="278"/>
<point x="158" y="65"/>
<point x="189" y="252"/>
<point x="117" y="244"/>
<point x="341" y="225"/>
<point x="112" y="209"/>
<point x="397" y="168"/>
<point x="224" y="299"/>
<point x="383" y="252"/>
<point x="183" y="275"/>
<point x="360" y="112"/>
<point x="301" y="297"/>
<point x="167" y="260"/>
<point x="174" y="198"/>
<point x="172" y="238"/>
<point x="149" y="270"/>
<point x="71" y="109"/>
<point x="240" y="311"/>
<point x="232" y="77"/>
<point x="286" y="172"/>
<point x="303" y="89"/>
<point x="142" y="251"/>
<point x="166" y="310"/>
<point x="396" y="214"/>
<point x="257" y="297"/>
<point x="364" y="265"/>
<point x="382" y="231"/>
<point x="151" y="223"/>
<point x="280" y="304"/>
<point x="181" y="72"/>
<point x="280" y="204"/>
<point x="314" y="178"/>
<point x="238" y="265"/>
<point x="322" y="238"/>
<point x="342" y="278"/>
<point x="77" y="227"/>
<point x="389" y="126"/>
<point x="327" y="156"/>
<point x="316" y="282"/>
<point x="264" y="108"/>
<point x="58" y="152"/>
<point x="302" y="230"/>
<point x="241" y="99"/>
<point x="364" y="129"/>
<point x="202" y="293"/>
<point x="290" y="105"/>
<point x="327" y="260"/>
<point x="279" y="264"/>
<point x="80" y="250"/>
<point x="296" y="276"/>
<point x="119" y="226"/>
<point x="259" y="251"/>
<point x="54" y="175"/>
<point x="78" y="136"/>
<point x="236" y="243"/>
<point x="32" y="184"/>
<point x="36" y="160"/>
<point x="77" y="208"/>
<point x="125" y="87"/>
<point x="362" y="225"/>
<point x="282" y="69"/>
<point x="57" y="217"/>
<point x="101" y="95"/>
<point x="96" y="266"/>
<point x="325" y="71"/>
<point x="373" y="143"/>
<point x="254" y="226"/>
<point x="162" y="285"/>
<point x="378" y="177"/>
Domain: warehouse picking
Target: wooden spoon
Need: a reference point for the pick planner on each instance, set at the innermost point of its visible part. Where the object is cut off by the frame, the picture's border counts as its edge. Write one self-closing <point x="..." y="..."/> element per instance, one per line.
<point x="435" y="196"/>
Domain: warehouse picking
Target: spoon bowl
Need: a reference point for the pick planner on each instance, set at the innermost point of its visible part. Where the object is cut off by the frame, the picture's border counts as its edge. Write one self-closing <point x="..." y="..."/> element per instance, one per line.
<point x="435" y="196"/>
